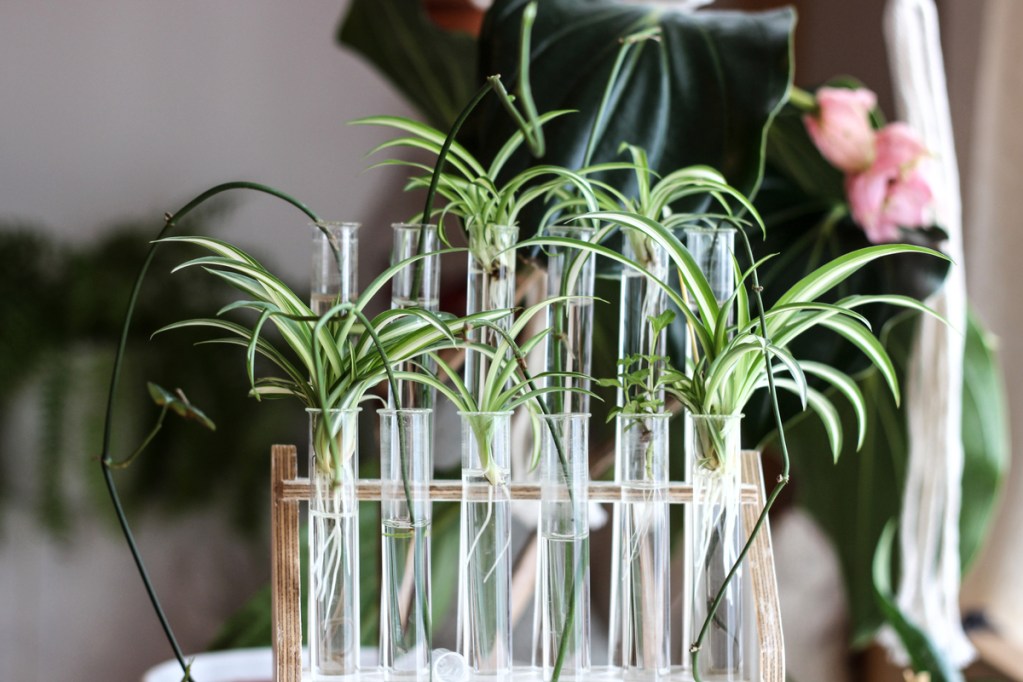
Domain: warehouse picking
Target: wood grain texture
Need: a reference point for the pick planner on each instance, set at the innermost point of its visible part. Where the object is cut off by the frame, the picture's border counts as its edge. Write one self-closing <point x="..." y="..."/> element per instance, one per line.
<point x="284" y="570"/>
<point x="760" y="561"/>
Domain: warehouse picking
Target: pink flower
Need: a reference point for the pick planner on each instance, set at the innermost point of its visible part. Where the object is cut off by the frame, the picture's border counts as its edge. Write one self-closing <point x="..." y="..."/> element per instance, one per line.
<point x="841" y="127"/>
<point x="892" y="193"/>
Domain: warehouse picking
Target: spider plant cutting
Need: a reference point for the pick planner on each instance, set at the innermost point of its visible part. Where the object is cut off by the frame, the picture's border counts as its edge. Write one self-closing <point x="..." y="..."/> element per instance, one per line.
<point x="486" y="208"/>
<point x="508" y="383"/>
<point x="329" y="363"/>
<point x="475" y="193"/>
<point x="560" y="454"/>
<point x="729" y="365"/>
<point x="334" y="359"/>
<point x="734" y="359"/>
<point x="716" y="385"/>
<point x="485" y="558"/>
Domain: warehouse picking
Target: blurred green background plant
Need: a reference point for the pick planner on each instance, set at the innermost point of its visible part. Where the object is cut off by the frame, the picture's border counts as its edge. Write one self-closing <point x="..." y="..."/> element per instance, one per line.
<point x="61" y="320"/>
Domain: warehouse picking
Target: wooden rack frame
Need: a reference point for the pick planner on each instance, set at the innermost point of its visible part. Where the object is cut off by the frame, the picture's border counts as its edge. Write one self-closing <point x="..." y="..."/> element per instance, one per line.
<point x="288" y="491"/>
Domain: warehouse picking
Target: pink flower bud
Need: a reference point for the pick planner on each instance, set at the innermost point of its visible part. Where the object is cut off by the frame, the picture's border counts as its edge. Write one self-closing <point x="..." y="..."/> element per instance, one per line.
<point x="841" y="127"/>
<point x="892" y="193"/>
<point x="899" y="147"/>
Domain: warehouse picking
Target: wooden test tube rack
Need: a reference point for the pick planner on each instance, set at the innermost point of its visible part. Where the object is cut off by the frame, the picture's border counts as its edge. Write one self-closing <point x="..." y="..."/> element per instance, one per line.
<point x="288" y="492"/>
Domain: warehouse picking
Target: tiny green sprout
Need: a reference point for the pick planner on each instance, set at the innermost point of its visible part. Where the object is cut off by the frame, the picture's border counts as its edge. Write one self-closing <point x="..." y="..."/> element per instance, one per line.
<point x="640" y="386"/>
<point x="658" y="323"/>
<point x="188" y="666"/>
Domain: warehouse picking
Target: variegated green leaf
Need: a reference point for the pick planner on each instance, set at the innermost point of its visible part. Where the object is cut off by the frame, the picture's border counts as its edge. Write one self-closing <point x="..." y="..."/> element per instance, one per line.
<point x="425" y="132"/>
<point x="830" y="275"/>
<point x="871" y="347"/>
<point x="845" y="385"/>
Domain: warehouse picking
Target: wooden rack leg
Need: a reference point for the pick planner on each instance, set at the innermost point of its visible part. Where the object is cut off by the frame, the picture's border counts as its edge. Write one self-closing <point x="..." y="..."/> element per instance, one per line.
<point x="763" y="578"/>
<point x="285" y="572"/>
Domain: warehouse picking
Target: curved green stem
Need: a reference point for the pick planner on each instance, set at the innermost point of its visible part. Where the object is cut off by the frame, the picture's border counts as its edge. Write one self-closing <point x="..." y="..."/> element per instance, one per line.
<point x="783" y="479"/>
<point x="802" y="99"/>
<point x="127" y="461"/>
<point x="442" y="156"/>
<point x="106" y="463"/>
<point x="532" y="130"/>
<point x="438" y="170"/>
<point x="392" y="383"/>
<point x="528" y="124"/>
<point x="600" y="120"/>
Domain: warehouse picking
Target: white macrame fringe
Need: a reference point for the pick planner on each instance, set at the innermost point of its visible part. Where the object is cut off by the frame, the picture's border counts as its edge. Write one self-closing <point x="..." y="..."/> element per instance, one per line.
<point x="928" y="591"/>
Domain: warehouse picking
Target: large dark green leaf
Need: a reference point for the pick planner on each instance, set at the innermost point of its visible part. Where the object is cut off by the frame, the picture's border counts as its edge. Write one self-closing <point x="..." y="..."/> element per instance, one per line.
<point x="791" y="154"/>
<point x="435" y="69"/>
<point x="985" y="439"/>
<point x="703" y="93"/>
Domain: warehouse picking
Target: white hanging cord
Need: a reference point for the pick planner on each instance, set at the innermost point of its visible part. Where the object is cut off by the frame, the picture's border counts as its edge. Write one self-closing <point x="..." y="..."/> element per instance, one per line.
<point x="928" y="590"/>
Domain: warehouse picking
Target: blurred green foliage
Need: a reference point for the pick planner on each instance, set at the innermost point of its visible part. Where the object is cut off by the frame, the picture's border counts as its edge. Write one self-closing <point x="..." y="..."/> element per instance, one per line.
<point x="61" y="317"/>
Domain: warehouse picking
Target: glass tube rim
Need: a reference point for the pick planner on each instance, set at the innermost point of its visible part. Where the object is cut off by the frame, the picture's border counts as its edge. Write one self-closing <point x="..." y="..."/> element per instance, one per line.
<point x="584" y="229"/>
<point x="658" y="416"/>
<point x="696" y="229"/>
<point x="566" y="415"/>
<point x="486" y="413"/>
<point x="392" y="411"/>
<point x="414" y="226"/>
<point x="715" y="417"/>
<point x="336" y="224"/>
<point x="504" y="228"/>
<point x="333" y="410"/>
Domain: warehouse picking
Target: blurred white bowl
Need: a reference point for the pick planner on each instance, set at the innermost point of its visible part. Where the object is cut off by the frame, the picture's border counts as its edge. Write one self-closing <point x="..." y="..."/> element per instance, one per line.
<point x="236" y="665"/>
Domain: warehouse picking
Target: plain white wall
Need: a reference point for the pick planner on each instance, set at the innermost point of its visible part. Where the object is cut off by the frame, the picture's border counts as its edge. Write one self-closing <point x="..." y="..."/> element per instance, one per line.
<point x="128" y="108"/>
